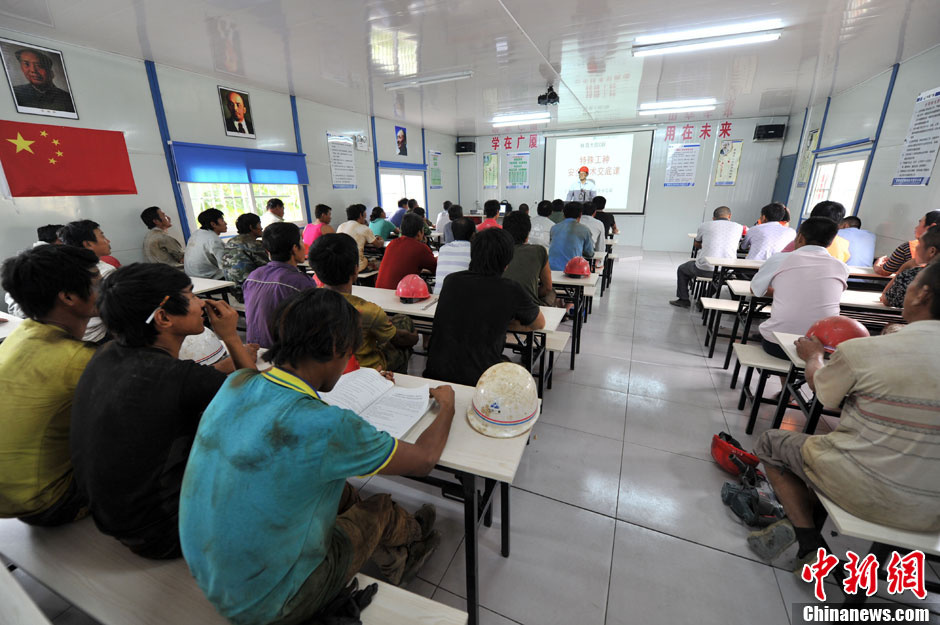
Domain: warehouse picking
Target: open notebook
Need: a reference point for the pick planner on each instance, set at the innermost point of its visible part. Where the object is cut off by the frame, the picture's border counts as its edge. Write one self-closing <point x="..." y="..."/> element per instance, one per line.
<point x="389" y="408"/>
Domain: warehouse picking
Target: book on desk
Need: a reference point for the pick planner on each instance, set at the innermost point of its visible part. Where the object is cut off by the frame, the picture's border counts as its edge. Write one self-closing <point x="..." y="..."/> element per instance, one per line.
<point x="390" y="408"/>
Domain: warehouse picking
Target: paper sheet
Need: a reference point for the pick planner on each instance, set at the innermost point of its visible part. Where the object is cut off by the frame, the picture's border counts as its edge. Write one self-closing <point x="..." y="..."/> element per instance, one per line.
<point x="390" y="408"/>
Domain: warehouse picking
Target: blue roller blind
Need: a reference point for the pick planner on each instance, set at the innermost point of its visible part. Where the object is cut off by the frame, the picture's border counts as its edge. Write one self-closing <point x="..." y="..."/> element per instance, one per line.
<point x="196" y="162"/>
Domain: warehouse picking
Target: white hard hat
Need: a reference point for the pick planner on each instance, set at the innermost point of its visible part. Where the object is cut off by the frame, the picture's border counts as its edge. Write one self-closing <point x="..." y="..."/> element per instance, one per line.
<point x="505" y="402"/>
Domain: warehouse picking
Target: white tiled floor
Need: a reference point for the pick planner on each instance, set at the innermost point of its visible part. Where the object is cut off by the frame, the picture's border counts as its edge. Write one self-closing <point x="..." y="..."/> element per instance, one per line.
<point x="616" y="514"/>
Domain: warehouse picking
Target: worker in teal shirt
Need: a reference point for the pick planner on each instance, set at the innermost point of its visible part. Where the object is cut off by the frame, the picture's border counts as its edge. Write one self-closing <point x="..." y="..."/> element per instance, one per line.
<point x="569" y="239"/>
<point x="268" y="525"/>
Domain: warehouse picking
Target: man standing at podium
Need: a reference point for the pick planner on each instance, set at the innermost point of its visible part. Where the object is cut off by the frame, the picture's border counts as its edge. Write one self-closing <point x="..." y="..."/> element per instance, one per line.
<point x="583" y="190"/>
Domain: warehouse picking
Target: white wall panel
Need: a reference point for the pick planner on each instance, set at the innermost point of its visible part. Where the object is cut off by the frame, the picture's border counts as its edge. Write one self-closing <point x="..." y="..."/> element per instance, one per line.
<point x="125" y="106"/>
<point x="798" y="193"/>
<point x="385" y="140"/>
<point x="316" y="120"/>
<point x="854" y="113"/>
<point x="472" y="193"/>
<point x="892" y="212"/>
<point x="194" y="112"/>
<point x="446" y="145"/>
<point x="791" y="141"/>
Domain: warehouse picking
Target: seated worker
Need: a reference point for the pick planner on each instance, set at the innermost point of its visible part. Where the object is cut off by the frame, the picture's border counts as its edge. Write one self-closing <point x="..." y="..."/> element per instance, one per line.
<point x="610" y="224"/>
<point x="407" y="254"/>
<point x="594" y="225"/>
<point x="861" y="242"/>
<point x="540" y="234"/>
<point x="323" y="215"/>
<point x="270" y="528"/>
<point x="769" y="236"/>
<point x="204" y="251"/>
<point x="835" y="212"/>
<point x="524" y="208"/>
<point x="40" y="364"/>
<point x="88" y="235"/>
<point x="454" y="212"/>
<point x="882" y="460"/>
<point x="427" y="223"/>
<point x="380" y="226"/>
<point x="273" y="213"/>
<point x="529" y="265"/>
<point x="569" y="239"/>
<point x="46" y="235"/>
<point x="160" y="247"/>
<point x="137" y="405"/>
<point x="356" y="227"/>
<point x="490" y="213"/>
<point x="455" y="256"/>
<point x="399" y="212"/>
<point x="443" y="217"/>
<point x="886" y="266"/>
<point x="475" y="310"/>
<point x="558" y="211"/>
<point x="926" y="251"/>
<point x="806" y="284"/>
<point x="718" y="238"/>
<point x="244" y="252"/>
<point x="386" y="343"/>
<point x="268" y="286"/>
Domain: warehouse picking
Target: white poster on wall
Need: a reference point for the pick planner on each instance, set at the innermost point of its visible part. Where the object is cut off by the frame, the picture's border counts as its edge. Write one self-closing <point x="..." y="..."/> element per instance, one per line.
<point x="729" y="158"/>
<point x="806" y="158"/>
<point x="435" y="180"/>
<point x="681" y="163"/>
<point x="342" y="161"/>
<point x="517" y="170"/>
<point x="919" y="152"/>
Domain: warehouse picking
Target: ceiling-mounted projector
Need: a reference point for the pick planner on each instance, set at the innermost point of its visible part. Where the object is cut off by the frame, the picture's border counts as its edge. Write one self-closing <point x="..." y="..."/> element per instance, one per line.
<point x="549" y="97"/>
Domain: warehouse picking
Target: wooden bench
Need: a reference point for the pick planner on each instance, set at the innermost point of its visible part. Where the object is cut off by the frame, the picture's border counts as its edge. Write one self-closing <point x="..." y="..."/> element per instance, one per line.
<point x="608" y="273"/>
<point x="754" y="357"/>
<point x="104" y="579"/>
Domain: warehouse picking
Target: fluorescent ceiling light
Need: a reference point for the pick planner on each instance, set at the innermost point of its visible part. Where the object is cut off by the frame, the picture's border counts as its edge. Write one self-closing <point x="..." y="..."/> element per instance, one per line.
<point x="505" y="124"/>
<point x="712" y="31"/>
<point x="427" y="79"/>
<point x="521" y="117"/>
<point x="693" y="45"/>
<point x="674" y="104"/>
<point x="688" y="109"/>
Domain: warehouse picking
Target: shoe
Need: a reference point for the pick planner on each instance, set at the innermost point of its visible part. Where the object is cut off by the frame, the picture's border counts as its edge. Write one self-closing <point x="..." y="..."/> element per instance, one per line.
<point x="773" y="540"/>
<point x="681" y="303"/>
<point x="798" y="565"/>
<point x="698" y="306"/>
<point x="425" y="516"/>
<point x="418" y="553"/>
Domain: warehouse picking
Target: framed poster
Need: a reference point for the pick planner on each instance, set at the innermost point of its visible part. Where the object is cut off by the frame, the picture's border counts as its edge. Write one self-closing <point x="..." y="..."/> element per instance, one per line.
<point x="38" y="79"/>
<point x="401" y="141"/>
<point x="236" y="113"/>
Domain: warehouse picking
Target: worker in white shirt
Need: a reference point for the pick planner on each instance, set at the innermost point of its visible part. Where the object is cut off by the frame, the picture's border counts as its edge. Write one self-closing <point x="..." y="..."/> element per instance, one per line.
<point x="274" y="213"/>
<point x="718" y="238"/>
<point x="770" y="235"/>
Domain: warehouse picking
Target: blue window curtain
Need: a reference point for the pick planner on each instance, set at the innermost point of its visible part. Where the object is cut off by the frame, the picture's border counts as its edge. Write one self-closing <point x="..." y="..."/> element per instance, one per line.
<point x="196" y="162"/>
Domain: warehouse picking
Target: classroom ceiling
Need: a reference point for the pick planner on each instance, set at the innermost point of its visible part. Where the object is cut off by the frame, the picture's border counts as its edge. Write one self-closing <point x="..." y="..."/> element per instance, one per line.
<point x="342" y="52"/>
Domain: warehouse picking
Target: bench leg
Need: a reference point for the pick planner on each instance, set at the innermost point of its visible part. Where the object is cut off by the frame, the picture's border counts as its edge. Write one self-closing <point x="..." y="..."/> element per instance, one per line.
<point x="734" y="374"/>
<point x="716" y="328"/>
<point x="744" y="387"/>
<point x="470" y="540"/>
<point x="815" y="412"/>
<point x="784" y="398"/>
<point x="551" y="370"/>
<point x="504" y="517"/>
<point x="734" y="335"/>
<point x="757" y="400"/>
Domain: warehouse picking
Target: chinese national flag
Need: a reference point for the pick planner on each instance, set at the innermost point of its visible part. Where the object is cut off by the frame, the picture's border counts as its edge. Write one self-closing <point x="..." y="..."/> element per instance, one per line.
<point x="42" y="160"/>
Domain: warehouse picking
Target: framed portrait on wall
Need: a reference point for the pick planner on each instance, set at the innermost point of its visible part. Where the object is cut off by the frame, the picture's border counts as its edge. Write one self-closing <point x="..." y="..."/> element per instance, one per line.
<point x="38" y="79"/>
<point x="401" y="141"/>
<point x="236" y="113"/>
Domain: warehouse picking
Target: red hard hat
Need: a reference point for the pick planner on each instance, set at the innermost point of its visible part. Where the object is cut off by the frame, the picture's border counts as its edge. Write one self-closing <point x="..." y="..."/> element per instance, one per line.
<point x="585" y="170"/>
<point x="577" y="267"/>
<point x="744" y="233"/>
<point x="412" y="289"/>
<point x="724" y="446"/>
<point x="833" y="330"/>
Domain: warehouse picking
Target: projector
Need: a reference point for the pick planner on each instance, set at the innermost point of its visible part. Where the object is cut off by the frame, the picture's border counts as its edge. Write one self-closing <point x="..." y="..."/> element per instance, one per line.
<point x="549" y="97"/>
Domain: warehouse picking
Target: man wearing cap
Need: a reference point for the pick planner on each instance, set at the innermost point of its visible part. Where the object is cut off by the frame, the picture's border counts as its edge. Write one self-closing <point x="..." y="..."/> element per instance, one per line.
<point x="583" y="190"/>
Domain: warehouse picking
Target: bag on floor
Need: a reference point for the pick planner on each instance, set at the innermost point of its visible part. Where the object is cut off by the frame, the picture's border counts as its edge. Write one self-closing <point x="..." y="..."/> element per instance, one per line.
<point x="756" y="508"/>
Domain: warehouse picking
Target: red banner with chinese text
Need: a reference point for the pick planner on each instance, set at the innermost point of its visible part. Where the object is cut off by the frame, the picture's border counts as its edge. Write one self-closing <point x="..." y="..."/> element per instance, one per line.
<point x="44" y="160"/>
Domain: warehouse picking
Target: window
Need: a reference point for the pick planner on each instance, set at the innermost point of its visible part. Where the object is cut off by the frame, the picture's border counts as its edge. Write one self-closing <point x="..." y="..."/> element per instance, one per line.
<point x="236" y="199"/>
<point x="838" y="181"/>
<point x="396" y="185"/>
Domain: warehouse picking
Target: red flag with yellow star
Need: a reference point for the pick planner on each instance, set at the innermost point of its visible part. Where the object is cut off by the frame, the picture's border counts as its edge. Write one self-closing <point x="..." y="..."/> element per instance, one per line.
<point x="43" y="160"/>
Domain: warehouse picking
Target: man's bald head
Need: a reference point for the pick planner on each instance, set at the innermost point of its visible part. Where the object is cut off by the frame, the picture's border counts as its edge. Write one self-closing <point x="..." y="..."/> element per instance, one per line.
<point x="722" y="212"/>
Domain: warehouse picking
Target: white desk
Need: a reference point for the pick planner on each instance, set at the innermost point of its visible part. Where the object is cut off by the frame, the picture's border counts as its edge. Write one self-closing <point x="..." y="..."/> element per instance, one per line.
<point x="205" y="286"/>
<point x="744" y="263"/>
<point x="574" y="288"/>
<point x="7" y="327"/>
<point x="869" y="300"/>
<point x="468" y="455"/>
<point x="17" y="607"/>
<point x="851" y="525"/>
<point x="787" y="342"/>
